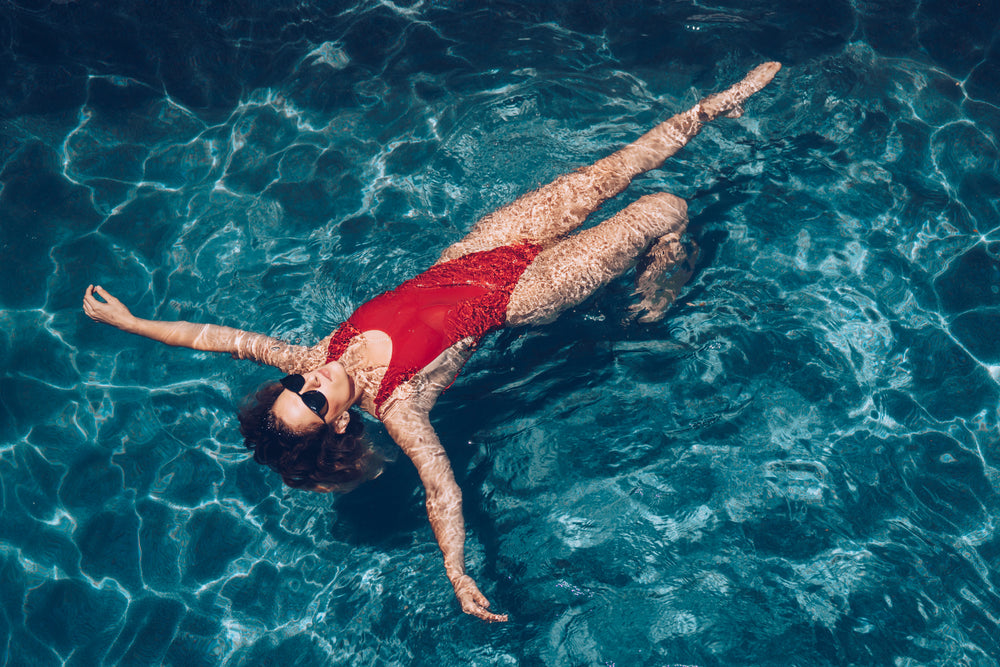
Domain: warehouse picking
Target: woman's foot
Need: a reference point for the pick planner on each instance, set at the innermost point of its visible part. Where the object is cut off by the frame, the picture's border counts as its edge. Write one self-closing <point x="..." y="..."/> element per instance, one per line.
<point x="664" y="270"/>
<point x="729" y="102"/>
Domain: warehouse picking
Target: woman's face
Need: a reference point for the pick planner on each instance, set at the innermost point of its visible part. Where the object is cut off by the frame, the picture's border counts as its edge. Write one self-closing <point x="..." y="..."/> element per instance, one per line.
<point x="333" y="382"/>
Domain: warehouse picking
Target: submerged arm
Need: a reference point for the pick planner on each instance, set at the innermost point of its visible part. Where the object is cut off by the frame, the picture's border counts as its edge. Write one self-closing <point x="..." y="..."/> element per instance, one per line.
<point x="412" y="431"/>
<point x="406" y="416"/>
<point x="205" y="337"/>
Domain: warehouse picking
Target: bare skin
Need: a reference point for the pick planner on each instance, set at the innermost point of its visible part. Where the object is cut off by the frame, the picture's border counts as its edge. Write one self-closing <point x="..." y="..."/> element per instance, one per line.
<point x="567" y="271"/>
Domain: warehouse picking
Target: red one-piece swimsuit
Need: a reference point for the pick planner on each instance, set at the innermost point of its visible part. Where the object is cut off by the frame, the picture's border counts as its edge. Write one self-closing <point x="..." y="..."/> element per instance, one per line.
<point x="454" y="300"/>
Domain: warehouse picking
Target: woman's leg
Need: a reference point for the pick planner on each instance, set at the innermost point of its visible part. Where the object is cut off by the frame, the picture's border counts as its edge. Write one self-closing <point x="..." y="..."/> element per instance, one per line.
<point x="568" y="272"/>
<point x="559" y="207"/>
<point x="663" y="271"/>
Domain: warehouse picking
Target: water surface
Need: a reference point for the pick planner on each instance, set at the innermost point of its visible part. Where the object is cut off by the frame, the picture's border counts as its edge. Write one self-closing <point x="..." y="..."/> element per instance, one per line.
<point x="798" y="465"/>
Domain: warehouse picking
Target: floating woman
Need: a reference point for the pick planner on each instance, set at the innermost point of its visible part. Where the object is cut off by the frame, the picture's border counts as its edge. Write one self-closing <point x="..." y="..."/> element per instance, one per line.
<point x="397" y="352"/>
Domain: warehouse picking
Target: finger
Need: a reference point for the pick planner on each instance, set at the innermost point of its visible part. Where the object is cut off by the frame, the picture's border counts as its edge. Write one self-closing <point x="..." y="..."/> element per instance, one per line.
<point x="492" y="618"/>
<point x="477" y="595"/>
<point x="479" y="611"/>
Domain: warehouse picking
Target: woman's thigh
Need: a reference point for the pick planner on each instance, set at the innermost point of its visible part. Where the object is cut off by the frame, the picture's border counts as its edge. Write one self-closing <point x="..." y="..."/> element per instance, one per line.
<point x="546" y="214"/>
<point x="566" y="273"/>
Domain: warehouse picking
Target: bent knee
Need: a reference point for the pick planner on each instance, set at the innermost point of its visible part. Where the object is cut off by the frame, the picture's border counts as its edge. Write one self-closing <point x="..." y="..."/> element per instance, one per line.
<point x="666" y="203"/>
<point x="659" y="214"/>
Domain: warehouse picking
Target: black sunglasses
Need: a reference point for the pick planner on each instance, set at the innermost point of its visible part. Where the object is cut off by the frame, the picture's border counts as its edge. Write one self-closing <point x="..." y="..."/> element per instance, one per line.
<point x="314" y="400"/>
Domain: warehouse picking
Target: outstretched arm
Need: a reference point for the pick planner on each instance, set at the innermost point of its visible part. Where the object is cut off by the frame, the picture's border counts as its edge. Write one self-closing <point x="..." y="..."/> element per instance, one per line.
<point x="412" y="431"/>
<point x="206" y="337"/>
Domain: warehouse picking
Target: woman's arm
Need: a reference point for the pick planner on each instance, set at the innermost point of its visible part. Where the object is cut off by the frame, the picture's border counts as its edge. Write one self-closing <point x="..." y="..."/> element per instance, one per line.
<point x="206" y="337"/>
<point x="412" y="431"/>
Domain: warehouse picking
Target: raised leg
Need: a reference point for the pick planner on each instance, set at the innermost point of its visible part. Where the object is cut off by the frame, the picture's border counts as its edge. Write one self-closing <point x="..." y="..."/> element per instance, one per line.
<point x="568" y="272"/>
<point x="546" y="214"/>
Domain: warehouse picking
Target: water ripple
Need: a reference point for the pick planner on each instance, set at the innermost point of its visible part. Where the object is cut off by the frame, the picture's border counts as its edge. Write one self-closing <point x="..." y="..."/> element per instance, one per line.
<point x="799" y="464"/>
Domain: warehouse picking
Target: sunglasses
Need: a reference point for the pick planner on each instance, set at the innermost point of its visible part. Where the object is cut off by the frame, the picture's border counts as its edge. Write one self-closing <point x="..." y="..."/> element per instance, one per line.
<point x="314" y="400"/>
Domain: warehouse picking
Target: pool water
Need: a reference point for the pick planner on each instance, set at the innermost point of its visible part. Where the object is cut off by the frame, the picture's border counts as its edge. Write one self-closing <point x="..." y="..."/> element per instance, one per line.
<point x="797" y="466"/>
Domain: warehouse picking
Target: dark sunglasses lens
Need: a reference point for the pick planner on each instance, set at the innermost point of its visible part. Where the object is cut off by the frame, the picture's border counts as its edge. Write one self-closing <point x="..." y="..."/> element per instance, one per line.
<point x="293" y="383"/>
<point x="315" y="401"/>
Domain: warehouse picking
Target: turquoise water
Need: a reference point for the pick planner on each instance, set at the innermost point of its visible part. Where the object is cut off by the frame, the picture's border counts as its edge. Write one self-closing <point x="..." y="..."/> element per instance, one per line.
<point x="797" y="466"/>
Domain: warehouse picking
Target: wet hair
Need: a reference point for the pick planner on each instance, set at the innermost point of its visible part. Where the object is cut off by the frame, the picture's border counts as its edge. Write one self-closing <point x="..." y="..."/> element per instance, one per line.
<point x="320" y="460"/>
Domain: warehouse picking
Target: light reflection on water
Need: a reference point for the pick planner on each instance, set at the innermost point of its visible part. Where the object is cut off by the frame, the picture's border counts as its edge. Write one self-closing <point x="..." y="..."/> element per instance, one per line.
<point x="796" y="465"/>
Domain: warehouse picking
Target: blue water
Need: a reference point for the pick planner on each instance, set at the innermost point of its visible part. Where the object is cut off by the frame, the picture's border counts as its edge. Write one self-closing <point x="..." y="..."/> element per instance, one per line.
<point x="797" y="466"/>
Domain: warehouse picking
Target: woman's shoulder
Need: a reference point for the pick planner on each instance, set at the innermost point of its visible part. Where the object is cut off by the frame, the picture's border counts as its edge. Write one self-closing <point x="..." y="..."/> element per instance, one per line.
<point x="418" y="393"/>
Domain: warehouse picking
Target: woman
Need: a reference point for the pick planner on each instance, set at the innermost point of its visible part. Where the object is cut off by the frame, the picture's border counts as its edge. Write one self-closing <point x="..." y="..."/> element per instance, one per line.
<point x="396" y="353"/>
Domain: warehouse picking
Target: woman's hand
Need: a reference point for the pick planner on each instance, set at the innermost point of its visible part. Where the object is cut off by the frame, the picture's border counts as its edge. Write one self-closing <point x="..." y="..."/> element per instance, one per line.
<point x="110" y="310"/>
<point x="473" y="601"/>
<point x="203" y="337"/>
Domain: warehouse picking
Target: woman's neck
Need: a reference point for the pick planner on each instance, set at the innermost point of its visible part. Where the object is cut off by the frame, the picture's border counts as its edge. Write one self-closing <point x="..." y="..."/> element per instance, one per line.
<point x="365" y="360"/>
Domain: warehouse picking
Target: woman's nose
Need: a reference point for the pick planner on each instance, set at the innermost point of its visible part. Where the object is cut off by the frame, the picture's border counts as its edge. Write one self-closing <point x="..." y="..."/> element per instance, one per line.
<point x="311" y="381"/>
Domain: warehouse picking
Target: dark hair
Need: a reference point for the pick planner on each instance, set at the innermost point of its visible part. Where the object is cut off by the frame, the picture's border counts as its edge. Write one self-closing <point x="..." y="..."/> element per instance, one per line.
<point x="322" y="460"/>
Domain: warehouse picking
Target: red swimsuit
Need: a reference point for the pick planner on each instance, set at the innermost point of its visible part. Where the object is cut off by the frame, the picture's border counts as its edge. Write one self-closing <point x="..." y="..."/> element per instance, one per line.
<point x="428" y="314"/>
